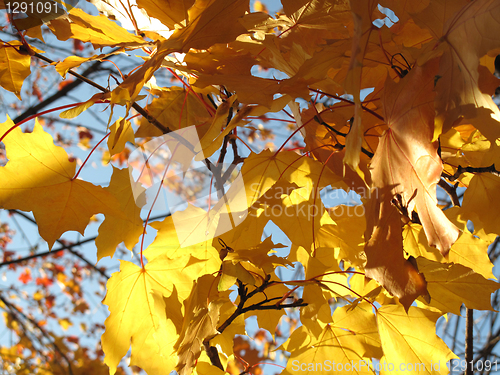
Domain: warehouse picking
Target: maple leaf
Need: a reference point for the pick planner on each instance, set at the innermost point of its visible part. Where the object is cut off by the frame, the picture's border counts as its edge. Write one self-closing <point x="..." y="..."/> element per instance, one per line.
<point x="261" y="171"/>
<point x="169" y="241"/>
<point x="59" y="202"/>
<point x="469" y="250"/>
<point x="363" y="26"/>
<point x="210" y="22"/>
<point x="126" y="227"/>
<point x="331" y="351"/>
<point x="250" y="89"/>
<point x="299" y="211"/>
<point x="137" y="316"/>
<point x="457" y="87"/>
<point x="170" y="14"/>
<point x="127" y="91"/>
<point x="14" y="67"/>
<point x="71" y="62"/>
<point x="384" y="252"/>
<point x="174" y="108"/>
<point x="481" y="196"/>
<point x="322" y="14"/>
<point x="202" y="315"/>
<point x="405" y="165"/>
<point x="450" y="285"/>
<point x="121" y="133"/>
<point x="346" y="234"/>
<point x="77" y="110"/>
<point x="407" y="158"/>
<point x="98" y="30"/>
<point x="230" y="272"/>
<point x="258" y="255"/>
<point x="326" y="147"/>
<point x="403" y="344"/>
<point x="361" y="322"/>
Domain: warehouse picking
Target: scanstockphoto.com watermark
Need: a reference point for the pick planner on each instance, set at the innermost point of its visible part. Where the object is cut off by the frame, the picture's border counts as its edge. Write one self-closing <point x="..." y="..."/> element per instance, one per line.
<point x="361" y="365"/>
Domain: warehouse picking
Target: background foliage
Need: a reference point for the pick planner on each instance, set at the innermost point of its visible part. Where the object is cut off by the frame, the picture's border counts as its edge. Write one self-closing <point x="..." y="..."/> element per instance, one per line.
<point x="386" y="99"/>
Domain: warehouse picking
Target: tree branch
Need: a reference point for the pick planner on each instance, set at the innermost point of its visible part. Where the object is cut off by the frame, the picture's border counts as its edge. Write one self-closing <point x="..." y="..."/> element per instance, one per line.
<point x="451" y="191"/>
<point x="469" y="342"/>
<point x="491" y="169"/>
<point x="332" y="129"/>
<point x="241" y="309"/>
<point x="66" y="247"/>
<point x="62" y="92"/>
<point x="45" y="253"/>
<point x="83" y="78"/>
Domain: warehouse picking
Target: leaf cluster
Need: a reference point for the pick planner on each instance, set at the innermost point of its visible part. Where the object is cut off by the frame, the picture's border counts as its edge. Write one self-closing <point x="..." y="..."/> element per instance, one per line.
<point x="375" y="277"/>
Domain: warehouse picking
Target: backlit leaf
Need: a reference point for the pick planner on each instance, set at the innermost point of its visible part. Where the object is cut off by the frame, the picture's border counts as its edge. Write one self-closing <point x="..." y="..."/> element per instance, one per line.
<point x="59" y="202"/>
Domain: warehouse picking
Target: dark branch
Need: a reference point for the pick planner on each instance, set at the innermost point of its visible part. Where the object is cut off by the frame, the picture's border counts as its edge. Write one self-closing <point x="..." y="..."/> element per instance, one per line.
<point x="451" y="191"/>
<point x="62" y="92"/>
<point x="65" y="247"/>
<point x="469" y="342"/>
<point x="213" y="354"/>
<point x="332" y="129"/>
<point x="491" y="169"/>
<point x="82" y="78"/>
<point x="45" y="253"/>
<point x="241" y="309"/>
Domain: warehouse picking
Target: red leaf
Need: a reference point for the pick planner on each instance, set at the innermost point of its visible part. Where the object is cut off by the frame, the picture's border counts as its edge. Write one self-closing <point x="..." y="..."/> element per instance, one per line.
<point x="26" y="276"/>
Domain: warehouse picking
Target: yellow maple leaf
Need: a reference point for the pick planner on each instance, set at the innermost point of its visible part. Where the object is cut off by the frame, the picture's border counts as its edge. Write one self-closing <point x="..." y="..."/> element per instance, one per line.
<point x="468" y="250"/>
<point x="39" y="177"/>
<point x="121" y="133"/>
<point x="174" y="108"/>
<point x="98" y="30"/>
<point x="71" y="62"/>
<point x="481" y="204"/>
<point x="450" y="285"/>
<point x="403" y="345"/>
<point x="258" y="255"/>
<point x="200" y="322"/>
<point x="126" y="227"/>
<point x="362" y="322"/>
<point x="330" y="352"/>
<point x="14" y="67"/>
<point x="75" y="111"/>
<point x="137" y="317"/>
<point x="211" y="22"/>
<point x="261" y="171"/>
<point x="346" y="234"/>
<point x="167" y="243"/>
<point x="128" y="91"/>
<point x="170" y="14"/>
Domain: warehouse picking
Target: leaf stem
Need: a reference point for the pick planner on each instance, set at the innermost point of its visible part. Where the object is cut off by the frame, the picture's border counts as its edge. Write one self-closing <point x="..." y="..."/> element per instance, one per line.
<point x="41" y="114"/>
<point x="88" y="156"/>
